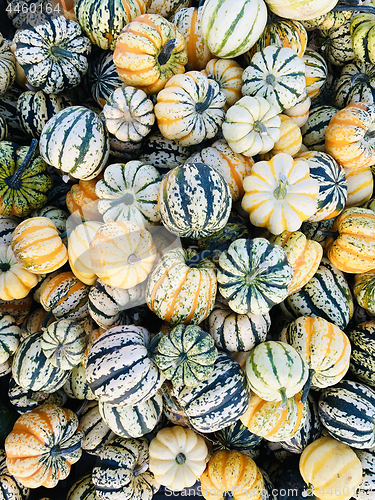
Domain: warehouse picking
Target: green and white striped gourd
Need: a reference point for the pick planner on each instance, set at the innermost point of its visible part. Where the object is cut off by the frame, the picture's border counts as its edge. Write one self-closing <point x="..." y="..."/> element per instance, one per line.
<point x="129" y="192"/>
<point x="32" y="370"/>
<point x="36" y="108"/>
<point x="327" y="295"/>
<point x="238" y="437"/>
<point x="186" y="355"/>
<point x="332" y="19"/>
<point x="102" y="77"/>
<point x="234" y="332"/>
<point x="119" y="368"/>
<point x="277" y="74"/>
<point x="194" y="201"/>
<point x="83" y="489"/>
<point x="231" y="28"/>
<point x="362" y="359"/>
<point x="77" y="387"/>
<point x="253" y="275"/>
<point x="336" y="44"/>
<point x="356" y="84"/>
<point x="10" y="335"/>
<point x="364" y="290"/>
<point x="219" y="401"/>
<point x="25" y="400"/>
<point x="75" y="142"/>
<point x="366" y="489"/>
<point x="362" y="33"/>
<point x="313" y="132"/>
<point x="163" y="153"/>
<point x="347" y="412"/>
<point x="133" y="421"/>
<point x="316" y="72"/>
<point x="7" y="66"/>
<point x="10" y="487"/>
<point x="8" y="110"/>
<point x="97" y="432"/>
<point x="276" y="371"/>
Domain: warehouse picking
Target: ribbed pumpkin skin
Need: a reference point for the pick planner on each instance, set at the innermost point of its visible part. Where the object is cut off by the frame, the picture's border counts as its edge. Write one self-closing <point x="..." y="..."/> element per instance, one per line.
<point x="231" y="471"/>
<point x="116" y="378"/>
<point x="180" y="294"/>
<point x="362" y="360"/>
<point x="118" y="471"/>
<point x="313" y="132"/>
<point x="340" y="470"/>
<point x="102" y="76"/>
<point x="42" y="446"/>
<point x="10" y="335"/>
<point x="7" y="226"/>
<point x="347" y="411"/>
<point x="336" y="44"/>
<point x="364" y="289"/>
<point x="254" y="275"/>
<point x="360" y="186"/>
<point x="230" y="28"/>
<point x="15" y="281"/>
<point x="83" y="489"/>
<point x="81" y="200"/>
<point x="194" y="201"/>
<point x="103" y="22"/>
<point x="238" y="438"/>
<point x="228" y="74"/>
<point x="323" y="346"/>
<point x="7" y="66"/>
<point x="316" y="71"/>
<point x="17" y="308"/>
<point x="78" y="251"/>
<point x="97" y="432"/>
<point x="332" y="19"/>
<point x="37" y="245"/>
<point x="163" y="153"/>
<point x="365" y="489"/>
<point x="290" y="141"/>
<point x="233" y="332"/>
<point x="75" y="141"/>
<point x="268" y="420"/>
<point x="300" y="111"/>
<point x="362" y="34"/>
<point x="10" y="487"/>
<point x="219" y="401"/>
<point x="353" y="251"/>
<point x="355" y="84"/>
<point x="133" y="421"/>
<point x="327" y="295"/>
<point x="32" y="370"/>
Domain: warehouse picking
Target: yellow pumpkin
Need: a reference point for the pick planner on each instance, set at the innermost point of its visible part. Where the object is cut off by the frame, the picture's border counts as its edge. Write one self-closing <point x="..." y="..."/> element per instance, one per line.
<point x="360" y="185"/>
<point x="228" y="74"/>
<point x="331" y="469"/>
<point x="300" y="111"/>
<point x="15" y="281"/>
<point x="78" y="251"/>
<point x="37" y="245"/>
<point x="290" y="140"/>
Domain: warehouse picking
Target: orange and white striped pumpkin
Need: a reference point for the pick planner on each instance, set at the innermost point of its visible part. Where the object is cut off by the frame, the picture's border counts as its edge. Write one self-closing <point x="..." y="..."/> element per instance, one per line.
<point x="316" y="71"/>
<point x="122" y="254"/>
<point x="290" y="137"/>
<point x="37" y="245"/>
<point x="15" y="281"/>
<point x="360" y="185"/>
<point x="228" y="74"/>
<point x="82" y="201"/>
<point x="300" y="111"/>
<point x="78" y="251"/>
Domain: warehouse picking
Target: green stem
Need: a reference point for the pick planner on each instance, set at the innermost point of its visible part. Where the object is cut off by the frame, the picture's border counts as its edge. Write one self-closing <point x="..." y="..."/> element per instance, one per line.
<point x="81" y="408"/>
<point x="46" y="320"/>
<point x="60" y="52"/>
<point x="57" y="451"/>
<point x="140" y="469"/>
<point x="166" y="52"/>
<point x="180" y="459"/>
<point x="15" y="181"/>
<point x="281" y="190"/>
<point x="306" y="387"/>
<point x="153" y="343"/>
<point x="284" y="399"/>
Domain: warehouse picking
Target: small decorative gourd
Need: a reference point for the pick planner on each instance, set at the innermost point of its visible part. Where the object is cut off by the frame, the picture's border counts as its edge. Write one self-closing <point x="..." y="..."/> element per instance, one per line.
<point x="290" y="140"/>
<point x="10" y="335"/>
<point x="228" y="74"/>
<point x="7" y="66"/>
<point x="82" y="201"/>
<point x="78" y="251"/>
<point x="15" y="281"/>
<point x="362" y="357"/>
<point x="361" y="32"/>
<point x="360" y="183"/>
<point x="177" y="457"/>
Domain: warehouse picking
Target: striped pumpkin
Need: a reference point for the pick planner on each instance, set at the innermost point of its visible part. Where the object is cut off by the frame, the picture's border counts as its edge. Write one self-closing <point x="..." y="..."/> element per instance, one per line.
<point x="78" y="251"/>
<point x="300" y="111"/>
<point x="10" y="487"/>
<point x="82" y="489"/>
<point x="325" y="348"/>
<point x="75" y="142"/>
<point x="15" y="281"/>
<point x="233" y="332"/>
<point x="77" y="386"/>
<point x="231" y="28"/>
<point x="43" y="279"/>
<point x="360" y="185"/>
<point x="10" y="336"/>
<point x="57" y="215"/>
<point x="362" y="32"/>
<point x="253" y="275"/>
<point x="119" y="369"/>
<point x="194" y="201"/>
<point x="362" y="360"/>
<point x="290" y="140"/>
<point x="327" y="295"/>
<point x="316" y="72"/>
<point x="237" y="437"/>
<point x="54" y="443"/>
<point x="355" y="84"/>
<point x="367" y="486"/>
<point x="37" y="245"/>
<point x="133" y="421"/>
<point x="97" y="432"/>
<point x="167" y="8"/>
<point x="234" y="167"/>
<point x="102" y="77"/>
<point x="228" y="74"/>
<point x="268" y="419"/>
<point x="313" y="131"/>
<point x="66" y="297"/>
<point x="336" y="44"/>
<point x="332" y="19"/>
<point x="7" y="66"/>
<point x="300" y="9"/>
<point x="347" y="411"/>
<point x="17" y="308"/>
<point x="218" y="401"/>
<point x="163" y="153"/>
<point x="81" y="200"/>
<point x="363" y="290"/>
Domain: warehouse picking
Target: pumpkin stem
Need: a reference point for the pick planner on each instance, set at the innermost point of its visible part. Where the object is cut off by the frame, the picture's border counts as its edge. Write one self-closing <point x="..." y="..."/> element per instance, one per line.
<point x="4" y="267"/>
<point x="201" y="107"/>
<point x="260" y="127"/>
<point x="81" y="408"/>
<point x="360" y="77"/>
<point x="180" y="459"/>
<point x="140" y="469"/>
<point x="154" y="342"/>
<point x="284" y="399"/>
<point x="282" y="189"/>
<point x="306" y="387"/>
<point x="46" y="320"/>
<point x="60" y="52"/>
<point x="57" y="451"/>
<point x="166" y="52"/>
<point x="15" y="181"/>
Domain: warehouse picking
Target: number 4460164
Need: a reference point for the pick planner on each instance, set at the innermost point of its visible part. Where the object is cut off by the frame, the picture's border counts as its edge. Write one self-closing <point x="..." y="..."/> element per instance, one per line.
<point x="334" y="492"/>
<point x="32" y="8"/>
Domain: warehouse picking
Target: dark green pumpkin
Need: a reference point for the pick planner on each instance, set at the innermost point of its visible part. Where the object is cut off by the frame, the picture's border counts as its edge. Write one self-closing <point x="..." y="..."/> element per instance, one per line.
<point x="24" y="182"/>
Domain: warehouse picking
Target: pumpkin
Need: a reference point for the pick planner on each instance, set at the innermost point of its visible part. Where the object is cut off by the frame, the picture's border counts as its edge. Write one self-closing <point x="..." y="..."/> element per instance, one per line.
<point x="97" y="432"/>
<point x="229" y="472"/>
<point x="363" y="290"/>
<point x="353" y="250"/>
<point x="228" y="74"/>
<point x="163" y="153"/>
<point x="361" y="360"/>
<point x="77" y="387"/>
<point x="53" y="55"/>
<point x="251" y="126"/>
<point x="149" y="51"/>
<point x="15" y="281"/>
<point x="9" y="337"/>
<point x="277" y="74"/>
<point x="78" y="251"/>
<point x="7" y="226"/>
<point x="133" y="421"/>
<point x="102" y="77"/>
<point x="366" y="486"/>
<point x="129" y="114"/>
<point x="340" y="471"/>
<point x="332" y="19"/>
<point x="301" y="9"/>
<point x="233" y="332"/>
<point x="10" y="487"/>
<point x="189" y="22"/>
<point x="43" y="445"/>
<point x="336" y="44"/>
<point x="231" y="28"/>
<point x="316" y="71"/>
<point x="362" y="32"/>
<point x="236" y="437"/>
<point x="349" y="136"/>
<point x="234" y="167"/>
<point x="253" y="275"/>
<point x="129" y="192"/>
<point x="323" y="346"/>
<point x="355" y="84"/>
<point x="17" y="308"/>
<point x="290" y="140"/>
<point x="179" y="293"/>
<point x="75" y="141"/>
<point x="66" y="297"/>
<point x="122" y="254"/>
<point x="24" y="180"/>
<point x="280" y="193"/>
<point x="116" y="378"/>
<point x="121" y="471"/>
<point x="82" y="489"/>
<point x="313" y="131"/>
<point x="82" y="201"/>
<point x="300" y="111"/>
<point x="7" y="66"/>
<point x="276" y="371"/>
<point x="191" y="212"/>
<point x="103" y="22"/>
<point x="167" y="8"/>
<point x="189" y="108"/>
<point x="37" y="245"/>
<point x="360" y="185"/>
<point x="186" y="355"/>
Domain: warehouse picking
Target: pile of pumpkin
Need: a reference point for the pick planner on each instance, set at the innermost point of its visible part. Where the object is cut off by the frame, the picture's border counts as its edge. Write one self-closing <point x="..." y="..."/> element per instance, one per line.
<point x="187" y="249"/>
